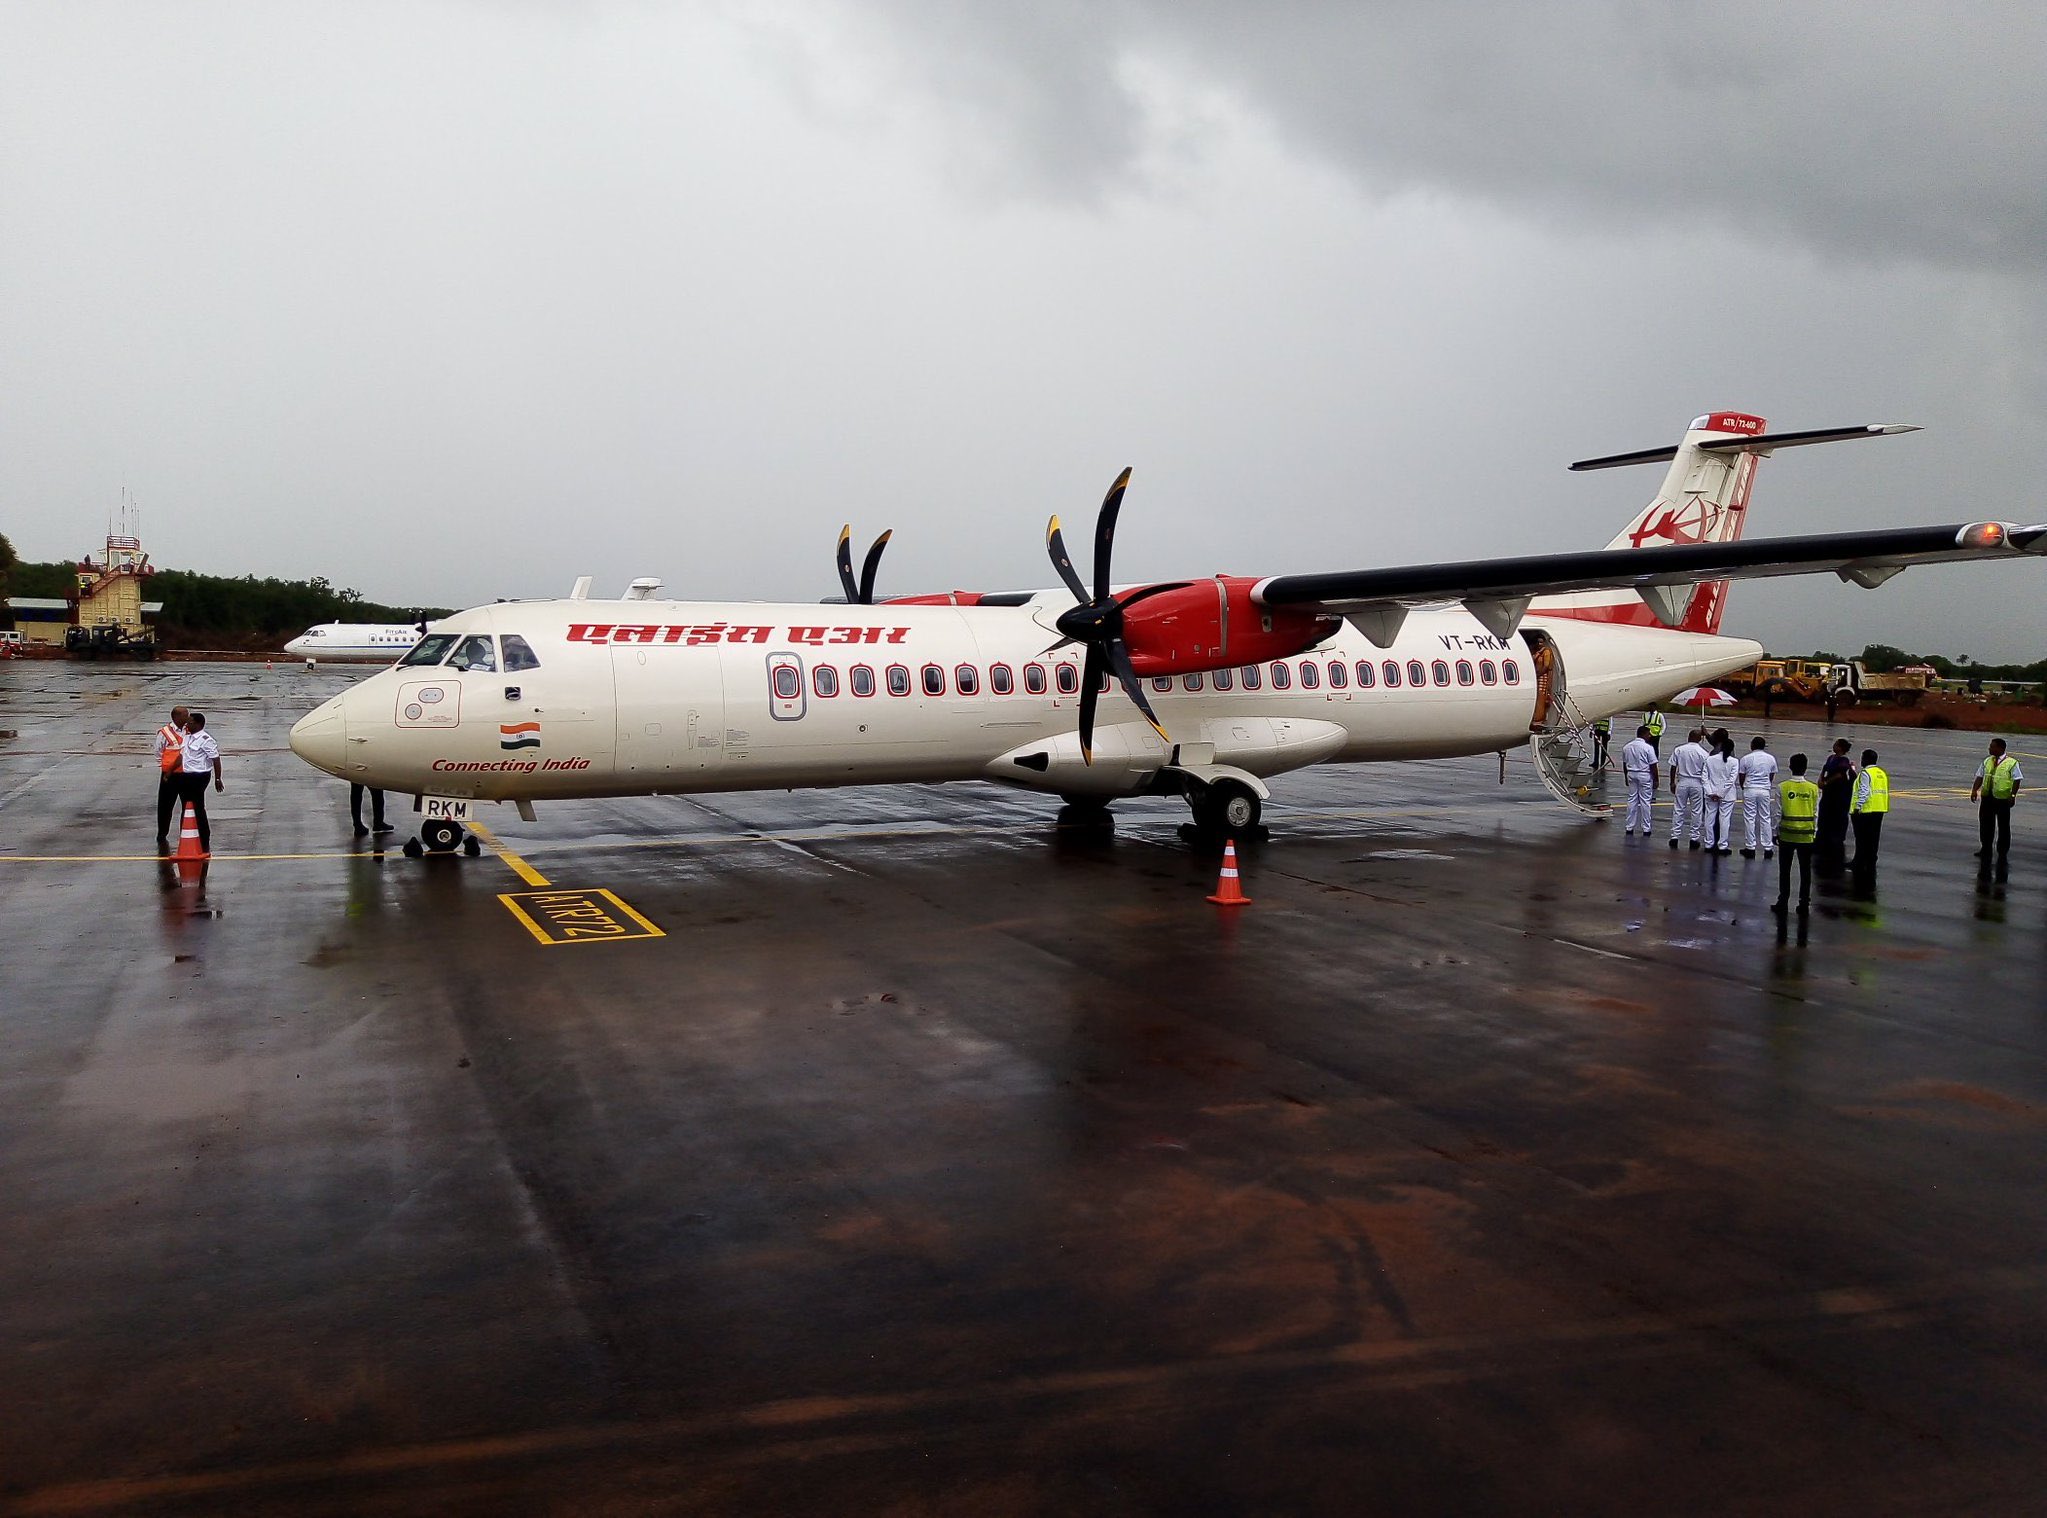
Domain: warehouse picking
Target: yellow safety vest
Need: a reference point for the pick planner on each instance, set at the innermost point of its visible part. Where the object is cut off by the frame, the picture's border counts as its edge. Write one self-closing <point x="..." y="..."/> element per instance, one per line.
<point x="1655" y="724"/>
<point x="1879" y="791"/>
<point x="1798" y="812"/>
<point x="1998" y="783"/>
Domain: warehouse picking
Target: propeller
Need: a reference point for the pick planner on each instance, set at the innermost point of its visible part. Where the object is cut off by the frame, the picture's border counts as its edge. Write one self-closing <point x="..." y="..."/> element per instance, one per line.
<point x="1096" y="623"/>
<point x="862" y="593"/>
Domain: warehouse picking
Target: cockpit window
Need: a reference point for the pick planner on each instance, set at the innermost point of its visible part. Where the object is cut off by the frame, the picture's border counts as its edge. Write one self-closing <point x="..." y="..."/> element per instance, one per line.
<point x="518" y="653"/>
<point x="475" y="653"/>
<point x="430" y="650"/>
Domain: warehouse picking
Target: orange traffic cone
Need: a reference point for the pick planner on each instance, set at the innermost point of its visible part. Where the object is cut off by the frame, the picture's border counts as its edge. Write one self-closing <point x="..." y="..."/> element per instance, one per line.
<point x="1227" y="892"/>
<point x="190" y="856"/>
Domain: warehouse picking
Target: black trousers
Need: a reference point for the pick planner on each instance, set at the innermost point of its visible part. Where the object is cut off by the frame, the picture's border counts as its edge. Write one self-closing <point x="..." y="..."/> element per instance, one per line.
<point x="1994" y="818"/>
<point x="1833" y="823"/>
<point x="1869" y="830"/>
<point x="1598" y="749"/>
<point x="355" y="790"/>
<point x="1786" y="852"/>
<point x="192" y="788"/>
<point x="166" y="799"/>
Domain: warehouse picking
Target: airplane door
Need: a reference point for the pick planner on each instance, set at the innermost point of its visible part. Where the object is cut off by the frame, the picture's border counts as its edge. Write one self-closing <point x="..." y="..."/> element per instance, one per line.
<point x="670" y="703"/>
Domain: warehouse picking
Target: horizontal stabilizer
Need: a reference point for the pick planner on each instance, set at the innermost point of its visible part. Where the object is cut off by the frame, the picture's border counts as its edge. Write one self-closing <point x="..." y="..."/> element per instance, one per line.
<point x="1768" y="442"/>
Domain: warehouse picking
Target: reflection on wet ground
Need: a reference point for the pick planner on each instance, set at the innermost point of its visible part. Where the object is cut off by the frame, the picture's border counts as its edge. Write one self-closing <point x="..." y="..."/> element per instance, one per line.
<point x="939" y="1158"/>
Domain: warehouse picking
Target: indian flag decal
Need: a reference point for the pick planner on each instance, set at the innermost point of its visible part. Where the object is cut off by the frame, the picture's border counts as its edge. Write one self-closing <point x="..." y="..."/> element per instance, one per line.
<point x="518" y="735"/>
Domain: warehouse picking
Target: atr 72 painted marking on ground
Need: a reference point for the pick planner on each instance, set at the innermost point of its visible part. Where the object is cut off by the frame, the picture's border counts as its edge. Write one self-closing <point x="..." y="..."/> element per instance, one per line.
<point x="578" y="916"/>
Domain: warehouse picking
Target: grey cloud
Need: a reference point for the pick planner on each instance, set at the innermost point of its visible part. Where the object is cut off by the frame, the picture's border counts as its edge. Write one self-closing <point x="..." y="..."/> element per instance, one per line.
<point x="1877" y="134"/>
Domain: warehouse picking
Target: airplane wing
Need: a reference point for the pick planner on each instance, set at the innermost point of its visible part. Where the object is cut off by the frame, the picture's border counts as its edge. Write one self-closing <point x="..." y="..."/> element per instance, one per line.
<point x="1499" y="591"/>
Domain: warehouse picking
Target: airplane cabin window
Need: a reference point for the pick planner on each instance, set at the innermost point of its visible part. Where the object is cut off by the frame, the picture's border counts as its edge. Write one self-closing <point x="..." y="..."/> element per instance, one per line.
<point x="1161" y="683"/>
<point x="788" y="684"/>
<point x="1282" y="677"/>
<point x="1511" y="670"/>
<point x="1224" y="679"/>
<point x="934" y="680"/>
<point x="1192" y="682"/>
<point x="899" y="679"/>
<point x="518" y="653"/>
<point x="1339" y="677"/>
<point x="967" y="678"/>
<point x="1068" y="678"/>
<point x="825" y="680"/>
<point x="1034" y="679"/>
<point x="1311" y="674"/>
<point x="1000" y="681"/>
<point x="1464" y="672"/>
<point x="1253" y="677"/>
<point x="475" y="653"/>
<point x="862" y="680"/>
<point x="1367" y="675"/>
<point x="430" y="649"/>
<point x="1487" y="673"/>
<point x="1441" y="670"/>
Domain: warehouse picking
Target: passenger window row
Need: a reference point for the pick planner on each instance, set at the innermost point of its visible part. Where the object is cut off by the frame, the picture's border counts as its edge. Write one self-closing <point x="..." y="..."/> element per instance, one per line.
<point x="1312" y="674"/>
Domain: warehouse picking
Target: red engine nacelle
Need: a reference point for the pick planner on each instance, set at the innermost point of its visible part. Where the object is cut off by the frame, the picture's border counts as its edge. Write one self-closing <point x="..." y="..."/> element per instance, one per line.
<point x="1214" y="624"/>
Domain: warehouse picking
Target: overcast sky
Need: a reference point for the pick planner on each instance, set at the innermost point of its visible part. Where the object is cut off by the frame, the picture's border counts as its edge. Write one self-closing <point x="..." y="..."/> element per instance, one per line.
<point x="450" y="301"/>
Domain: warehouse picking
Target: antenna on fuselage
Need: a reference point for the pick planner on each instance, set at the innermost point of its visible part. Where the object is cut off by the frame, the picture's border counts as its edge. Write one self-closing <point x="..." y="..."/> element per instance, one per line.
<point x="580" y="591"/>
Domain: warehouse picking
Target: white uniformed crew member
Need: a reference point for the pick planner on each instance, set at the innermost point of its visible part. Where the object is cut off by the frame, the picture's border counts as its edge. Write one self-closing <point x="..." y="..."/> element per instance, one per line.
<point x="1688" y="790"/>
<point x="202" y="763"/>
<point x="1638" y="767"/>
<point x="1758" y="799"/>
<point x="170" y="745"/>
<point x="1723" y="786"/>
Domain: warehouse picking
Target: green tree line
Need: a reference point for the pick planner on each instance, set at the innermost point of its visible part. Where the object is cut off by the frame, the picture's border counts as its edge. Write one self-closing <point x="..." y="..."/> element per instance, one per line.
<point x="232" y="609"/>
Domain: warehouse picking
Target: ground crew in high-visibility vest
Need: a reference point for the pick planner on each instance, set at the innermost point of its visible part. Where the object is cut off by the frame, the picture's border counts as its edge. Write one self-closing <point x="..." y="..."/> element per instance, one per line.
<point x="170" y="750"/>
<point x="1653" y="720"/>
<point x="1798" y="825"/>
<point x="1996" y="787"/>
<point x="1872" y="800"/>
<point x="1602" y="734"/>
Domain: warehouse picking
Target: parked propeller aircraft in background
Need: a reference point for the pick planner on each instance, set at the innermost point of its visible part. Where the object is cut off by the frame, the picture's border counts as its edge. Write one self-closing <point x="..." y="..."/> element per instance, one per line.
<point x="357" y="642"/>
<point x="1202" y="689"/>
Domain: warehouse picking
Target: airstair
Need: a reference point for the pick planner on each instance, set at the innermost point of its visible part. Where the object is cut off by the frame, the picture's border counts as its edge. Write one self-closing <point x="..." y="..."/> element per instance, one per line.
<point x="1562" y="749"/>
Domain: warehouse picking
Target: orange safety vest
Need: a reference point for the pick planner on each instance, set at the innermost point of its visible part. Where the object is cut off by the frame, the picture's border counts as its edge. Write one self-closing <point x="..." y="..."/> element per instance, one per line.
<point x="172" y="759"/>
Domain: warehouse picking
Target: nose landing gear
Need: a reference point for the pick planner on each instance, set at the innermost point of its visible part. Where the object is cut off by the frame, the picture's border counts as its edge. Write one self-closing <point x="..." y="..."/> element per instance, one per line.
<point x="441" y="836"/>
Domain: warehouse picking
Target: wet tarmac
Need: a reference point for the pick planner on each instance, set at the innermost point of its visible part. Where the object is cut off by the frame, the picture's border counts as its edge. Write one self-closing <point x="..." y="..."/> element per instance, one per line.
<point x="934" y="1160"/>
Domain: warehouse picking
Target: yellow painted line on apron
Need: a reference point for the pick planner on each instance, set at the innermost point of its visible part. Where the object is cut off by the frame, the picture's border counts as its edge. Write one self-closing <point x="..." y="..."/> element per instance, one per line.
<point x="520" y="867"/>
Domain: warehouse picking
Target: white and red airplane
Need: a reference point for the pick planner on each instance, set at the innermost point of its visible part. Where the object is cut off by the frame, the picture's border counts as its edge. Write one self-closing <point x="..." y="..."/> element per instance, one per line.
<point x="1203" y="689"/>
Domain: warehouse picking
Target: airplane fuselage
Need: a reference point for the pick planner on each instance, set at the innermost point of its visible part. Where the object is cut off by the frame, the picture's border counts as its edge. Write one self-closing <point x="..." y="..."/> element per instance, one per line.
<point x="645" y="697"/>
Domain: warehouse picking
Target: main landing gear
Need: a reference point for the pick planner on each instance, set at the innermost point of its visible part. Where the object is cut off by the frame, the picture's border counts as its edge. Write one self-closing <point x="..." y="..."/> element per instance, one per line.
<point x="442" y="837"/>
<point x="1225" y="811"/>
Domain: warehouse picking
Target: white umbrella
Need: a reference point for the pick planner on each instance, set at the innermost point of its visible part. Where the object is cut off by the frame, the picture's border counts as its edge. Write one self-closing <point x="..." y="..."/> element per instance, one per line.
<point x="1703" y="696"/>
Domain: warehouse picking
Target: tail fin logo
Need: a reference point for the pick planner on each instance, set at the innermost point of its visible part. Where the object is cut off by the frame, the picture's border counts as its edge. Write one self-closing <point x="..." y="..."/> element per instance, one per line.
<point x="518" y="735"/>
<point x="1695" y="522"/>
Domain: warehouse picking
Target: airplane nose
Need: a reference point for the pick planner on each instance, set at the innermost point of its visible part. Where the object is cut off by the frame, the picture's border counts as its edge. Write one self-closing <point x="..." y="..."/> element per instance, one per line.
<point x="321" y="737"/>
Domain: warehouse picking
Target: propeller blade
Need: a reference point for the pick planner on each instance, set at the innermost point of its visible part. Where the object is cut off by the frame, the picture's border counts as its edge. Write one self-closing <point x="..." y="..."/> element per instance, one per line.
<point x="1130" y="600"/>
<point x="1105" y="533"/>
<point x="873" y="562"/>
<point x="846" y="564"/>
<point x="1090" y="687"/>
<point x="1055" y="544"/>
<point x="1119" y="660"/>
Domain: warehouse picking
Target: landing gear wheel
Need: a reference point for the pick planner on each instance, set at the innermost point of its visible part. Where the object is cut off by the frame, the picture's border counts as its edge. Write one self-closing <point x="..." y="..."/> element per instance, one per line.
<point x="1227" y="809"/>
<point x="1090" y="813"/>
<point x="440" y="836"/>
